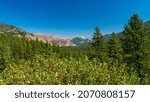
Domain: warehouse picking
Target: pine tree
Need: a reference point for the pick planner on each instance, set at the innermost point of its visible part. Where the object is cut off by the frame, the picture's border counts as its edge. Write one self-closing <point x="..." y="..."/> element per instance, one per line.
<point x="29" y="50"/>
<point x="115" y="50"/>
<point x="136" y="47"/>
<point x="98" y="46"/>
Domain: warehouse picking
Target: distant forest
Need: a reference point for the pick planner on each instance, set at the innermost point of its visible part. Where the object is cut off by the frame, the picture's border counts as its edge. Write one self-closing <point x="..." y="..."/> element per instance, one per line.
<point x="124" y="59"/>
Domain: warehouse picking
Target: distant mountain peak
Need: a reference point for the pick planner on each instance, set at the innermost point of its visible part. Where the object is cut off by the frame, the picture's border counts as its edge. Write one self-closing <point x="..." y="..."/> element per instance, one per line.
<point x="80" y="41"/>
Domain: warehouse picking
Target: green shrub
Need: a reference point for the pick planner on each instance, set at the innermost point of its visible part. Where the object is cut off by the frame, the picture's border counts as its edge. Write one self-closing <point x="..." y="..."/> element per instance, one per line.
<point x="55" y="71"/>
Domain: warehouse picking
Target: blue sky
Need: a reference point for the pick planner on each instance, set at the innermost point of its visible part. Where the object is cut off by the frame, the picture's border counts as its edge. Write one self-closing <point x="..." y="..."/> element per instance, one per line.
<point x="72" y="17"/>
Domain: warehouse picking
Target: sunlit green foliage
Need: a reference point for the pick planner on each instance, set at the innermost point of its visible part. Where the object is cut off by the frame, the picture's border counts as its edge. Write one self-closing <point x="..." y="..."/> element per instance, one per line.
<point x="62" y="71"/>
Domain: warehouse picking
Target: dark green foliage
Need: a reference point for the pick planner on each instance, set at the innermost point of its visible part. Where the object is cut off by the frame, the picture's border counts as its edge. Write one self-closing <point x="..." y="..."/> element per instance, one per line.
<point x="137" y="47"/>
<point x="97" y="40"/>
<point x="97" y="46"/>
<point x="115" y="50"/>
<point x="24" y="49"/>
<point x="5" y="53"/>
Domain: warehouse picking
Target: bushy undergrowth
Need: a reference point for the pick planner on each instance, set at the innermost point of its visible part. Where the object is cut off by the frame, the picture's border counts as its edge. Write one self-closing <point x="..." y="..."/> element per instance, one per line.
<point x="54" y="71"/>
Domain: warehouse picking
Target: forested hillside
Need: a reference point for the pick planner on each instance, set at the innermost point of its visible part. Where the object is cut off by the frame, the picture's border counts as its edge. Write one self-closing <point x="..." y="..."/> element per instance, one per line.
<point x="11" y="30"/>
<point x="122" y="60"/>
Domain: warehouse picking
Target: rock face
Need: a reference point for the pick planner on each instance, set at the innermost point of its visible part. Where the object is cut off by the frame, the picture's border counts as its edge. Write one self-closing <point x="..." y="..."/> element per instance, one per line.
<point x="51" y="39"/>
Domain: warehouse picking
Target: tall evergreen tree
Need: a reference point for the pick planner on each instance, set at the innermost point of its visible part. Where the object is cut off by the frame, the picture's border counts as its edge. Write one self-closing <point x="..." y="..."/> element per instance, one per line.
<point x="136" y="47"/>
<point x="98" y="46"/>
<point x="115" y="50"/>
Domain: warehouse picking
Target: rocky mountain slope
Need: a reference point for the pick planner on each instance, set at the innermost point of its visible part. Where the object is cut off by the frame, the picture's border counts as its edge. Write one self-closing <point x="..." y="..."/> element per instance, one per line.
<point x="51" y="39"/>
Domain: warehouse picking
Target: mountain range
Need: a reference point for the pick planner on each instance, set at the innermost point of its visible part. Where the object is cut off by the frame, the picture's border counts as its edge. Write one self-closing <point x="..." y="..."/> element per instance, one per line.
<point x="51" y="39"/>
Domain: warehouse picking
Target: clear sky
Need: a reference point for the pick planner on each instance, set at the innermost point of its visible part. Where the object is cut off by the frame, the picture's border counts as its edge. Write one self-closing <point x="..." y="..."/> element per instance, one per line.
<point x="72" y="17"/>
